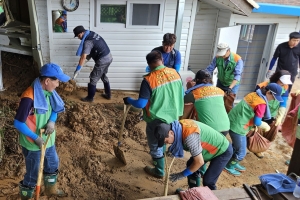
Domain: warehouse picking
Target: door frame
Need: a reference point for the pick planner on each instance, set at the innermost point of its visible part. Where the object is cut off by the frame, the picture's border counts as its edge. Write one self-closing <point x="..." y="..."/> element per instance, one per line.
<point x="267" y="53"/>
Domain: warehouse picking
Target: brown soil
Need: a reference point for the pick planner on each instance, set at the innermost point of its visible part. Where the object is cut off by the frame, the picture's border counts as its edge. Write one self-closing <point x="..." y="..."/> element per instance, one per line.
<point x="86" y="133"/>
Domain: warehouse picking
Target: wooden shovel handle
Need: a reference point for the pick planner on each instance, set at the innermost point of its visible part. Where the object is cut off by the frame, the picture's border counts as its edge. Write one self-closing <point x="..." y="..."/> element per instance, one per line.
<point x="40" y="174"/>
<point x="168" y="170"/>
<point x="123" y="123"/>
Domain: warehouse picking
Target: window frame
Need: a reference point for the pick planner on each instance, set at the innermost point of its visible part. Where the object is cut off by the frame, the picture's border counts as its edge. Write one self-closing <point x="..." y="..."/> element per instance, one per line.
<point x="129" y="14"/>
<point x="103" y="26"/>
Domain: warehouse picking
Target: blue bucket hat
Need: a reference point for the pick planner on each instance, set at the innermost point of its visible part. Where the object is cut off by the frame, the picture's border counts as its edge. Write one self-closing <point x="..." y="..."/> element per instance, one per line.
<point x="53" y="70"/>
<point x="276" y="91"/>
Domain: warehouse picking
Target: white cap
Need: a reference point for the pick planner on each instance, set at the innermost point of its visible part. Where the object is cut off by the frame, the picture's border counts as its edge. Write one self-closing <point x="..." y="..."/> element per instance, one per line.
<point x="222" y="49"/>
<point x="286" y="79"/>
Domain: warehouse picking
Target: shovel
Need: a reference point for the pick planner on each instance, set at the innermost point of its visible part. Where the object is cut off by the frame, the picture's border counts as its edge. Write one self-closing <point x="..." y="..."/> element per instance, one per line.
<point x="118" y="152"/>
<point x="39" y="180"/>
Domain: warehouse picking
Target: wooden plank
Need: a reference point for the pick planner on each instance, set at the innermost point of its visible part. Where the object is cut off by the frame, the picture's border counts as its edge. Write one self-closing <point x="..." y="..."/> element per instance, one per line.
<point x="224" y="194"/>
<point x="231" y="194"/>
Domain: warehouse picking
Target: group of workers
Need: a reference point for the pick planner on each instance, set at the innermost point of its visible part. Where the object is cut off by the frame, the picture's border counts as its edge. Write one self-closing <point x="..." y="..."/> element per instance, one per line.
<point x="162" y="98"/>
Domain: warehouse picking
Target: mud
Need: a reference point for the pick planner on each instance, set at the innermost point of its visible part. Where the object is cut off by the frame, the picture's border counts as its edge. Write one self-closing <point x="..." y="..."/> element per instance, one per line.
<point x="86" y="133"/>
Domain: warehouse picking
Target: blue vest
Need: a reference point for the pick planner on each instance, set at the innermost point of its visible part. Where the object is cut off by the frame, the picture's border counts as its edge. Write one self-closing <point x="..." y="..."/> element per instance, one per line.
<point x="100" y="48"/>
<point x="172" y="56"/>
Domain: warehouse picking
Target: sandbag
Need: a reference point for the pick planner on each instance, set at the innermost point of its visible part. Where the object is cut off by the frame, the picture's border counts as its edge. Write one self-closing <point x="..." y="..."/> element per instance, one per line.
<point x="289" y="125"/>
<point x="271" y="134"/>
<point x="228" y="101"/>
<point x="256" y="143"/>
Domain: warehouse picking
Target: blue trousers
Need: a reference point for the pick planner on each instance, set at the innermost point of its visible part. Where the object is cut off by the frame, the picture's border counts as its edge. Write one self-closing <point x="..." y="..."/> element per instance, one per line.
<point x="155" y="152"/>
<point x="214" y="169"/>
<point x="239" y="144"/>
<point x="32" y="163"/>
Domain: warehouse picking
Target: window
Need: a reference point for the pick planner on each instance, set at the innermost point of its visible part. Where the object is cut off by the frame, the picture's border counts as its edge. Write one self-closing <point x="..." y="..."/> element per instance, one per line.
<point x="131" y="14"/>
<point x="113" y="13"/>
<point x="247" y="32"/>
<point x="145" y="15"/>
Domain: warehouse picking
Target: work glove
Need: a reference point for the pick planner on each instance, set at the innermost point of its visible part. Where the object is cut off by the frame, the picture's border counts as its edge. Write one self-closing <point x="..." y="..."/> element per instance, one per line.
<point x="177" y="176"/>
<point x="280" y="115"/>
<point x="264" y="126"/>
<point x="39" y="141"/>
<point x="125" y="99"/>
<point x="50" y="126"/>
<point x="269" y="74"/>
<point x="297" y="92"/>
<point x="76" y="72"/>
<point x="229" y="91"/>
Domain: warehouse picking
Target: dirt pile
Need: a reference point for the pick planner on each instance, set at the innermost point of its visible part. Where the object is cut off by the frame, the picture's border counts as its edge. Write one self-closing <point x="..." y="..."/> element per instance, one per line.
<point x="86" y="133"/>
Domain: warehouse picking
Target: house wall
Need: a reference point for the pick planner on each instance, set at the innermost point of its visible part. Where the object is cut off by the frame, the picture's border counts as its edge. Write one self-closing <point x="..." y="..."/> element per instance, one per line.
<point x="128" y="47"/>
<point x="207" y="21"/>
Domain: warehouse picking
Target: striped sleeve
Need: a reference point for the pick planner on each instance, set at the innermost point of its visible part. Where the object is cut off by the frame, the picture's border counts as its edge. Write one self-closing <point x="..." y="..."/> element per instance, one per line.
<point x="193" y="144"/>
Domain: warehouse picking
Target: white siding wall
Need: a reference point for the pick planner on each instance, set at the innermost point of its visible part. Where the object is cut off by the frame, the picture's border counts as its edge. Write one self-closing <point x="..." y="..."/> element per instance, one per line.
<point x="128" y="48"/>
<point x="208" y="20"/>
<point x="41" y="9"/>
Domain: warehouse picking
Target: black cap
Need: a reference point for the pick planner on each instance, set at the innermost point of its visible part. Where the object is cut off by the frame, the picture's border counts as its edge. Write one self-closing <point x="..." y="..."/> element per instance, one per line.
<point x="202" y="74"/>
<point x="161" y="132"/>
<point x="77" y="30"/>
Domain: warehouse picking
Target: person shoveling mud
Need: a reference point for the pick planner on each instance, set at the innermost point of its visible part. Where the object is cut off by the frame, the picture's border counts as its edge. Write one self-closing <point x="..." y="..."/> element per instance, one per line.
<point x="161" y="90"/>
<point x="38" y="109"/>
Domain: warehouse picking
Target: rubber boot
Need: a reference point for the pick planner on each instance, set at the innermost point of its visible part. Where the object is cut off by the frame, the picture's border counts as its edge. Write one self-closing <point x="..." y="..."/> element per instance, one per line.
<point x="203" y="169"/>
<point x="158" y="170"/>
<point x="230" y="167"/>
<point x="193" y="181"/>
<point x="107" y="94"/>
<point x="25" y="192"/>
<point x="91" y="93"/>
<point x="50" y="182"/>
<point x="239" y="167"/>
<point x="164" y="151"/>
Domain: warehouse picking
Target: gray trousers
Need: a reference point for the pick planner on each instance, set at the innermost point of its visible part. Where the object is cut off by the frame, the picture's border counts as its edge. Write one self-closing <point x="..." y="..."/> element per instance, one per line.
<point x="100" y="70"/>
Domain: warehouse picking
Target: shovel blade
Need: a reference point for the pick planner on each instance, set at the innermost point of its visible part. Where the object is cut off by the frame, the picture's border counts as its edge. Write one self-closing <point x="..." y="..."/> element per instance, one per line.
<point x="120" y="154"/>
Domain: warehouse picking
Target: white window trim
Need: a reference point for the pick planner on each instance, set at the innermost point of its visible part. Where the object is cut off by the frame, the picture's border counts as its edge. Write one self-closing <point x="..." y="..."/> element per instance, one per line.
<point x="129" y="14"/>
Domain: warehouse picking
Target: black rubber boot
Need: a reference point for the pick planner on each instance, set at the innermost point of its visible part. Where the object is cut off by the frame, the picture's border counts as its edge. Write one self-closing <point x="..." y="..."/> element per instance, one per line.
<point x="91" y="93"/>
<point x="25" y="192"/>
<point x="107" y="94"/>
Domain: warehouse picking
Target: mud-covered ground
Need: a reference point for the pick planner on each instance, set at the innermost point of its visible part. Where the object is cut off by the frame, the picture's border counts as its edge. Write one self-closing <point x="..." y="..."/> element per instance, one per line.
<point x="86" y="133"/>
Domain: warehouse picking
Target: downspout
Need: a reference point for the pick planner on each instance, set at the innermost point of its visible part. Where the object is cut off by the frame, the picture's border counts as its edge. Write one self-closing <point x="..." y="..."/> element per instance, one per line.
<point x="178" y="22"/>
<point x="215" y="35"/>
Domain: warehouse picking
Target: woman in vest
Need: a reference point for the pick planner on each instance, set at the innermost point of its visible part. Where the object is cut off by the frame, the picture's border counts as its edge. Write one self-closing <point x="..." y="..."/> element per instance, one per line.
<point x="278" y="109"/>
<point x="208" y="102"/>
<point x="205" y="145"/>
<point x="244" y="116"/>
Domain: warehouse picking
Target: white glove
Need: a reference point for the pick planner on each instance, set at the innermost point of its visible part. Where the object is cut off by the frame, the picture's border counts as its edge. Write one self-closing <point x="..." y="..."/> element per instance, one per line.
<point x="280" y="115"/>
<point x="269" y="74"/>
<point x="264" y="126"/>
<point x="297" y="92"/>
